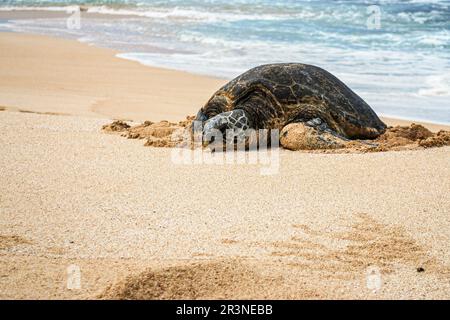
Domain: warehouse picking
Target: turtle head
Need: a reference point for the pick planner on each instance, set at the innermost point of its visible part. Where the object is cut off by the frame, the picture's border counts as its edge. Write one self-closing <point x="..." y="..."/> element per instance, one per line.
<point x="209" y="117"/>
<point x="197" y="124"/>
<point x="201" y="116"/>
<point x="215" y="128"/>
<point x="216" y="105"/>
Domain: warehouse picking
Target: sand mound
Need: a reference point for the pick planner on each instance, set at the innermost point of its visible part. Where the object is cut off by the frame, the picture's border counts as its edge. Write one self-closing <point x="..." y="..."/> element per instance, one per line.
<point x="116" y="126"/>
<point x="229" y="279"/>
<point x="295" y="136"/>
<point x="413" y="132"/>
<point x="410" y="137"/>
<point x="402" y="136"/>
<point x="161" y="134"/>
<point x="440" y="139"/>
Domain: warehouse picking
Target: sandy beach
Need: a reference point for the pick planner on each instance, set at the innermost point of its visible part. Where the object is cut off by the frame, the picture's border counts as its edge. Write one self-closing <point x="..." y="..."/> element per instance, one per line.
<point x="137" y="225"/>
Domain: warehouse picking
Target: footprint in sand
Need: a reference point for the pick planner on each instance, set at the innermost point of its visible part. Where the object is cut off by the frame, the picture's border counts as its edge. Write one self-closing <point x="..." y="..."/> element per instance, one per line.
<point x="9" y="241"/>
<point x="366" y="243"/>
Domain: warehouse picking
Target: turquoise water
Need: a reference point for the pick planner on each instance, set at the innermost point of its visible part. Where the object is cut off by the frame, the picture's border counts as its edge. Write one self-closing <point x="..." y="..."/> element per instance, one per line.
<point x="401" y="69"/>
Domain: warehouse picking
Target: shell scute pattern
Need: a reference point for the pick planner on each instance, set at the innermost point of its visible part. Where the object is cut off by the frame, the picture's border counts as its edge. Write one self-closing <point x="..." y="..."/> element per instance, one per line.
<point x="294" y="92"/>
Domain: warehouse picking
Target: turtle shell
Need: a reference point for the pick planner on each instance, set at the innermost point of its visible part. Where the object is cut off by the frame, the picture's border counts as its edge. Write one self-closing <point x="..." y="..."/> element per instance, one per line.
<point x="296" y="92"/>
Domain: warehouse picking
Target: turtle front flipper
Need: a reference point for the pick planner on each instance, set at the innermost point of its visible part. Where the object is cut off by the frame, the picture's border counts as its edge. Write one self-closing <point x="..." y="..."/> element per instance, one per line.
<point x="321" y="126"/>
<point x="310" y="135"/>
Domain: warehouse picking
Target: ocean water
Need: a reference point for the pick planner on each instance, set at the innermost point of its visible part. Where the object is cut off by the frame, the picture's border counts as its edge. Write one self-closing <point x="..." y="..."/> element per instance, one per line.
<point x="394" y="53"/>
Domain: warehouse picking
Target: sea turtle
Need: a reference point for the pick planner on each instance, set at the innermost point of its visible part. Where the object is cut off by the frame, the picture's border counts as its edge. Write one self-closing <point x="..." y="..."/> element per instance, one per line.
<point x="274" y="95"/>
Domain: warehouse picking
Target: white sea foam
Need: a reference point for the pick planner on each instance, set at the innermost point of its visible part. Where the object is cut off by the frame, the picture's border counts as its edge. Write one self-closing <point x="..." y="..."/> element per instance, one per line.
<point x="402" y="69"/>
<point x="24" y="8"/>
<point x="436" y="85"/>
<point x="189" y="14"/>
<point x="205" y="15"/>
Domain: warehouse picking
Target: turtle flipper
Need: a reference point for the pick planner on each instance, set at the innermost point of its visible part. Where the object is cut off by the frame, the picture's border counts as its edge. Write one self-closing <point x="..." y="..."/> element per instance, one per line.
<point x="322" y="126"/>
<point x="310" y="136"/>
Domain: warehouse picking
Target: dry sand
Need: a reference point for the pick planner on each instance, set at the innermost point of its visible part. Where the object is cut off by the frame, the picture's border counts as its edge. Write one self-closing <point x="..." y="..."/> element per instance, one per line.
<point x="139" y="225"/>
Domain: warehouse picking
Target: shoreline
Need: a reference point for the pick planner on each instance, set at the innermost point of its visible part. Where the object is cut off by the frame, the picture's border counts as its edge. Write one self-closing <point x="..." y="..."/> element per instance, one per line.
<point x="151" y="86"/>
<point x="67" y="76"/>
<point x="415" y="98"/>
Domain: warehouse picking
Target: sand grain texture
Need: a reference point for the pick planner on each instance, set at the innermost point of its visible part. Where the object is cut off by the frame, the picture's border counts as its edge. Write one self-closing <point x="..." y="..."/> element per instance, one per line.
<point x="216" y="279"/>
<point x="135" y="222"/>
<point x="83" y="197"/>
